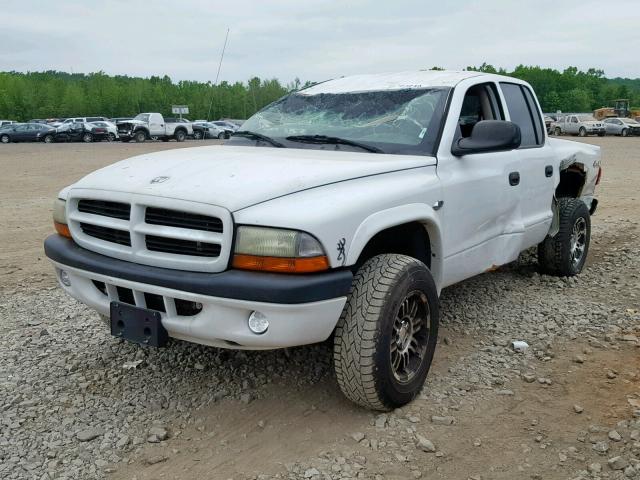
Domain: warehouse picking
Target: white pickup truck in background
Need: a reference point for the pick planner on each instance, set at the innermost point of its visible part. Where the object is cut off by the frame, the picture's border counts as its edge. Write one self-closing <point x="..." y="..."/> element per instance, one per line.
<point x="146" y="126"/>
<point x="340" y="211"/>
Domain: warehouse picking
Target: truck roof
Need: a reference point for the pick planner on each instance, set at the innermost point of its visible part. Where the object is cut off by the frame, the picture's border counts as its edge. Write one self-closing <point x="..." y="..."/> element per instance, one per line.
<point x="392" y="81"/>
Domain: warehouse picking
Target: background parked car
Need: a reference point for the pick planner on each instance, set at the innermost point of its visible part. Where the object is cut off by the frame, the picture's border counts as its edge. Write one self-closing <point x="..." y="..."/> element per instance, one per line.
<point x="26" y="132"/>
<point x="581" y="124"/>
<point x="112" y="130"/>
<point x="6" y="122"/>
<point x="76" y="132"/>
<point x="228" y="126"/>
<point x="208" y="130"/>
<point x="84" y="120"/>
<point x="621" y="126"/>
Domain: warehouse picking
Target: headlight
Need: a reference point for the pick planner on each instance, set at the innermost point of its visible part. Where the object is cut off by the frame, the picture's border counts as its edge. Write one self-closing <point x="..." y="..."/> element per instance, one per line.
<point x="278" y="250"/>
<point x="60" y="217"/>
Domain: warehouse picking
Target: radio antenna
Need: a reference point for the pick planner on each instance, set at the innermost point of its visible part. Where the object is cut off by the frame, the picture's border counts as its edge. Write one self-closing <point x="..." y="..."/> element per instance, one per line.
<point x="224" y="47"/>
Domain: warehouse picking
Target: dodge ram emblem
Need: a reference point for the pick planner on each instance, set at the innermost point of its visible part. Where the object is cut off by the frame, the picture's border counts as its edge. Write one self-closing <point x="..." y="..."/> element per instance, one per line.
<point x="159" y="180"/>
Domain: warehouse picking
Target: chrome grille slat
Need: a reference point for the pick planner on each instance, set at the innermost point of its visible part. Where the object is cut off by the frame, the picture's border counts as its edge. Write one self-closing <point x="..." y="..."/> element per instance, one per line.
<point x="191" y="221"/>
<point x="107" y="234"/>
<point x="105" y="208"/>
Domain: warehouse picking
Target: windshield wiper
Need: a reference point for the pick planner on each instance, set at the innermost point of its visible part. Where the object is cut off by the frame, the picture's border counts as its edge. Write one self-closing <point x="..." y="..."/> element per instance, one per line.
<point x="258" y="136"/>
<point x="324" y="139"/>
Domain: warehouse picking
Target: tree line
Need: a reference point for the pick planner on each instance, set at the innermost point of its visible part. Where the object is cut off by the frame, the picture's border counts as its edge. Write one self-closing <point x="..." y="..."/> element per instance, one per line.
<point x="54" y="94"/>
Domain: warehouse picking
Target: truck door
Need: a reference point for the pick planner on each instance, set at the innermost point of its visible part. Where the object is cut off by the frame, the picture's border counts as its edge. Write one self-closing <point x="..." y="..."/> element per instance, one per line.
<point x="156" y="125"/>
<point x="536" y="163"/>
<point x="482" y="222"/>
<point x="572" y="124"/>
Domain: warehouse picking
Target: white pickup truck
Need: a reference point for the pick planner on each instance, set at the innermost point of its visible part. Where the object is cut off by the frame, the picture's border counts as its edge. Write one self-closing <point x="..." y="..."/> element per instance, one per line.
<point x="153" y="125"/>
<point x="338" y="212"/>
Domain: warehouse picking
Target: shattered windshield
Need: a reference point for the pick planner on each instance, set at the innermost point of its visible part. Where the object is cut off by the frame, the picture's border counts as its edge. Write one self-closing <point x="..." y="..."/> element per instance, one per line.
<point x="394" y="121"/>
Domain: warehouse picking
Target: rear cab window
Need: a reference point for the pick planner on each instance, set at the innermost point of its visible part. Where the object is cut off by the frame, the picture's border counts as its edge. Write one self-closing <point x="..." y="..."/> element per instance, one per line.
<point x="523" y="111"/>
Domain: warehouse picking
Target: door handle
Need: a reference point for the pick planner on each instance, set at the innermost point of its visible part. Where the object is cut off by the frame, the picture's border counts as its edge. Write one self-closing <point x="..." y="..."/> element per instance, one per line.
<point x="548" y="171"/>
<point x="514" y="178"/>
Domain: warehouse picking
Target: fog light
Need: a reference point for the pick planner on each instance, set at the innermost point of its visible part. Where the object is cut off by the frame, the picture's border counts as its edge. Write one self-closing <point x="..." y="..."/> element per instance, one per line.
<point x="258" y="322"/>
<point x="64" y="278"/>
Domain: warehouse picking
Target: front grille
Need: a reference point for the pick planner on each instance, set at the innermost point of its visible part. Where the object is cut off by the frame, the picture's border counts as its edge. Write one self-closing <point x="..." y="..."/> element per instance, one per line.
<point x="107" y="234"/>
<point x="105" y="208"/>
<point x="176" y="234"/>
<point x="182" y="247"/>
<point x="174" y="218"/>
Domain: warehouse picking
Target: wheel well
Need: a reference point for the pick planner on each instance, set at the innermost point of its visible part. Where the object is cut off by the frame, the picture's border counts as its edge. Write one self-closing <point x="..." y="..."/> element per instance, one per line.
<point x="572" y="180"/>
<point x="409" y="239"/>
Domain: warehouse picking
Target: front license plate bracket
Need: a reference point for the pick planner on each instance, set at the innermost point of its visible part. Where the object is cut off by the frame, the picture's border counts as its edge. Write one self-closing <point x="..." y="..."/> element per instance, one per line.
<point x="138" y="325"/>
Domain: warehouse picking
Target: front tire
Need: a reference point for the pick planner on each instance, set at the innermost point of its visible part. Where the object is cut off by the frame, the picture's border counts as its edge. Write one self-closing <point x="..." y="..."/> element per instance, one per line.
<point x="558" y="131"/>
<point x="221" y="136"/>
<point x="624" y="132"/>
<point x="566" y="253"/>
<point x="582" y="132"/>
<point x="5" y="139"/>
<point x="197" y="135"/>
<point x="140" y="137"/>
<point x="386" y="336"/>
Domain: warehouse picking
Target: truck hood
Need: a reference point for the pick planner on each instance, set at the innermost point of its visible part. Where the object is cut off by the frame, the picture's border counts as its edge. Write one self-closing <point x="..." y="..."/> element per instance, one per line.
<point x="238" y="177"/>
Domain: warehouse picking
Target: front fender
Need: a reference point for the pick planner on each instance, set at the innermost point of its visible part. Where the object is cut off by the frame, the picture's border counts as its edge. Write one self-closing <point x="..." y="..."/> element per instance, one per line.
<point x="384" y="219"/>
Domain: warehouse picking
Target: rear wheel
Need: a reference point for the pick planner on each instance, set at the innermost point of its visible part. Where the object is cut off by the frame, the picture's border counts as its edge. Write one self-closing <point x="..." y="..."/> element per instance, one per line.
<point x="558" y="131"/>
<point x="87" y="138"/>
<point x="5" y="138"/>
<point x="582" y="132"/>
<point x="48" y="139"/>
<point x="140" y="136"/>
<point x="221" y="136"/>
<point x="624" y="132"/>
<point x="111" y="137"/>
<point x="180" y="136"/>
<point x="566" y="253"/>
<point x="386" y="336"/>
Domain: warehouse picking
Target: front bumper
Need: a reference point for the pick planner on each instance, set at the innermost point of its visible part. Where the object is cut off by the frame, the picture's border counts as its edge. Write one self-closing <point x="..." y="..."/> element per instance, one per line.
<point x="301" y="309"/>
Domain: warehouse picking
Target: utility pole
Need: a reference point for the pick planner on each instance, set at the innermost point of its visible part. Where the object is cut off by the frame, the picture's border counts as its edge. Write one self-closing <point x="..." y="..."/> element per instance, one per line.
<point x="218" y="73"/>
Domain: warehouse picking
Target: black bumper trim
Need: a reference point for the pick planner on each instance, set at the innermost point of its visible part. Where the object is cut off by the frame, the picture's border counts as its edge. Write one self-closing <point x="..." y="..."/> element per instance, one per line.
<point x="236" y="284"/>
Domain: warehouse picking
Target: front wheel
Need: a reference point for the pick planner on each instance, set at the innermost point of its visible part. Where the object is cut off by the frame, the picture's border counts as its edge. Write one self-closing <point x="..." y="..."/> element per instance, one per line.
<point x="566" y="253"/>
<point x="5" y="139"/>
<point x="558" y="131"/>
<point x="221" y="136"/>
<point x="582" y="132"/>
<point x="386" y="336"/>
<point x="140" y="137"/>
<point x="624" y="132"/>
<point x="197" y="135"/>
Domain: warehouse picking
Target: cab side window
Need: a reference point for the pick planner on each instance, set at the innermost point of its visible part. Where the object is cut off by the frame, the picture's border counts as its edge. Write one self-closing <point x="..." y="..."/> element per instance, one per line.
<point x="480" y="103"/>
<point x="524" y="113"/>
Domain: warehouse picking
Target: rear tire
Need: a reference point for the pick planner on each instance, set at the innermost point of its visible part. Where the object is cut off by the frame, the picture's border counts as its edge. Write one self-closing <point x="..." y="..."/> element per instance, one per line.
<point x="565" y="253"/>
<point x="48" y="139"/>
<point x="140" y="137"/>
<point x="111" y="137"/>
<point x="221" y="136"/>
<point x="386" y="336"/>
<point x="87" y="138"/>
<point x="180" y="136"/>
<point x="558" y="131"/>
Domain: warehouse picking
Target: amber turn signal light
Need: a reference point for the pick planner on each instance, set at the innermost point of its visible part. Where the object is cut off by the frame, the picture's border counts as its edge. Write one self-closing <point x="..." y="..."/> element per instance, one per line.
<point x="62" y="229"/>
<point x="281" y="264"/>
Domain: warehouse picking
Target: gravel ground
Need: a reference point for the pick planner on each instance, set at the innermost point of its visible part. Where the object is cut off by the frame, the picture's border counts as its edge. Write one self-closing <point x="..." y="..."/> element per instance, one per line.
<point x="76" y="403"/>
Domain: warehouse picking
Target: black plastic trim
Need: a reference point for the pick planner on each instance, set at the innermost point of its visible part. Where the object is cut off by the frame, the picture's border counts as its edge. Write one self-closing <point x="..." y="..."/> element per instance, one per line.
<point x="236" y="284"/>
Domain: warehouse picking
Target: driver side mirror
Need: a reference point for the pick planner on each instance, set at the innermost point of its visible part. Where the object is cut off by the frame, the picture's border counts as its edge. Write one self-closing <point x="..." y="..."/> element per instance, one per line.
<point x="488" y="136"/>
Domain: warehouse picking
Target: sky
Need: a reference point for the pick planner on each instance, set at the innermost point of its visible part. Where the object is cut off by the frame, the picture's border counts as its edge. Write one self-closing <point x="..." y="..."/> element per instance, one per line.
<point x="315" y="40"/>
